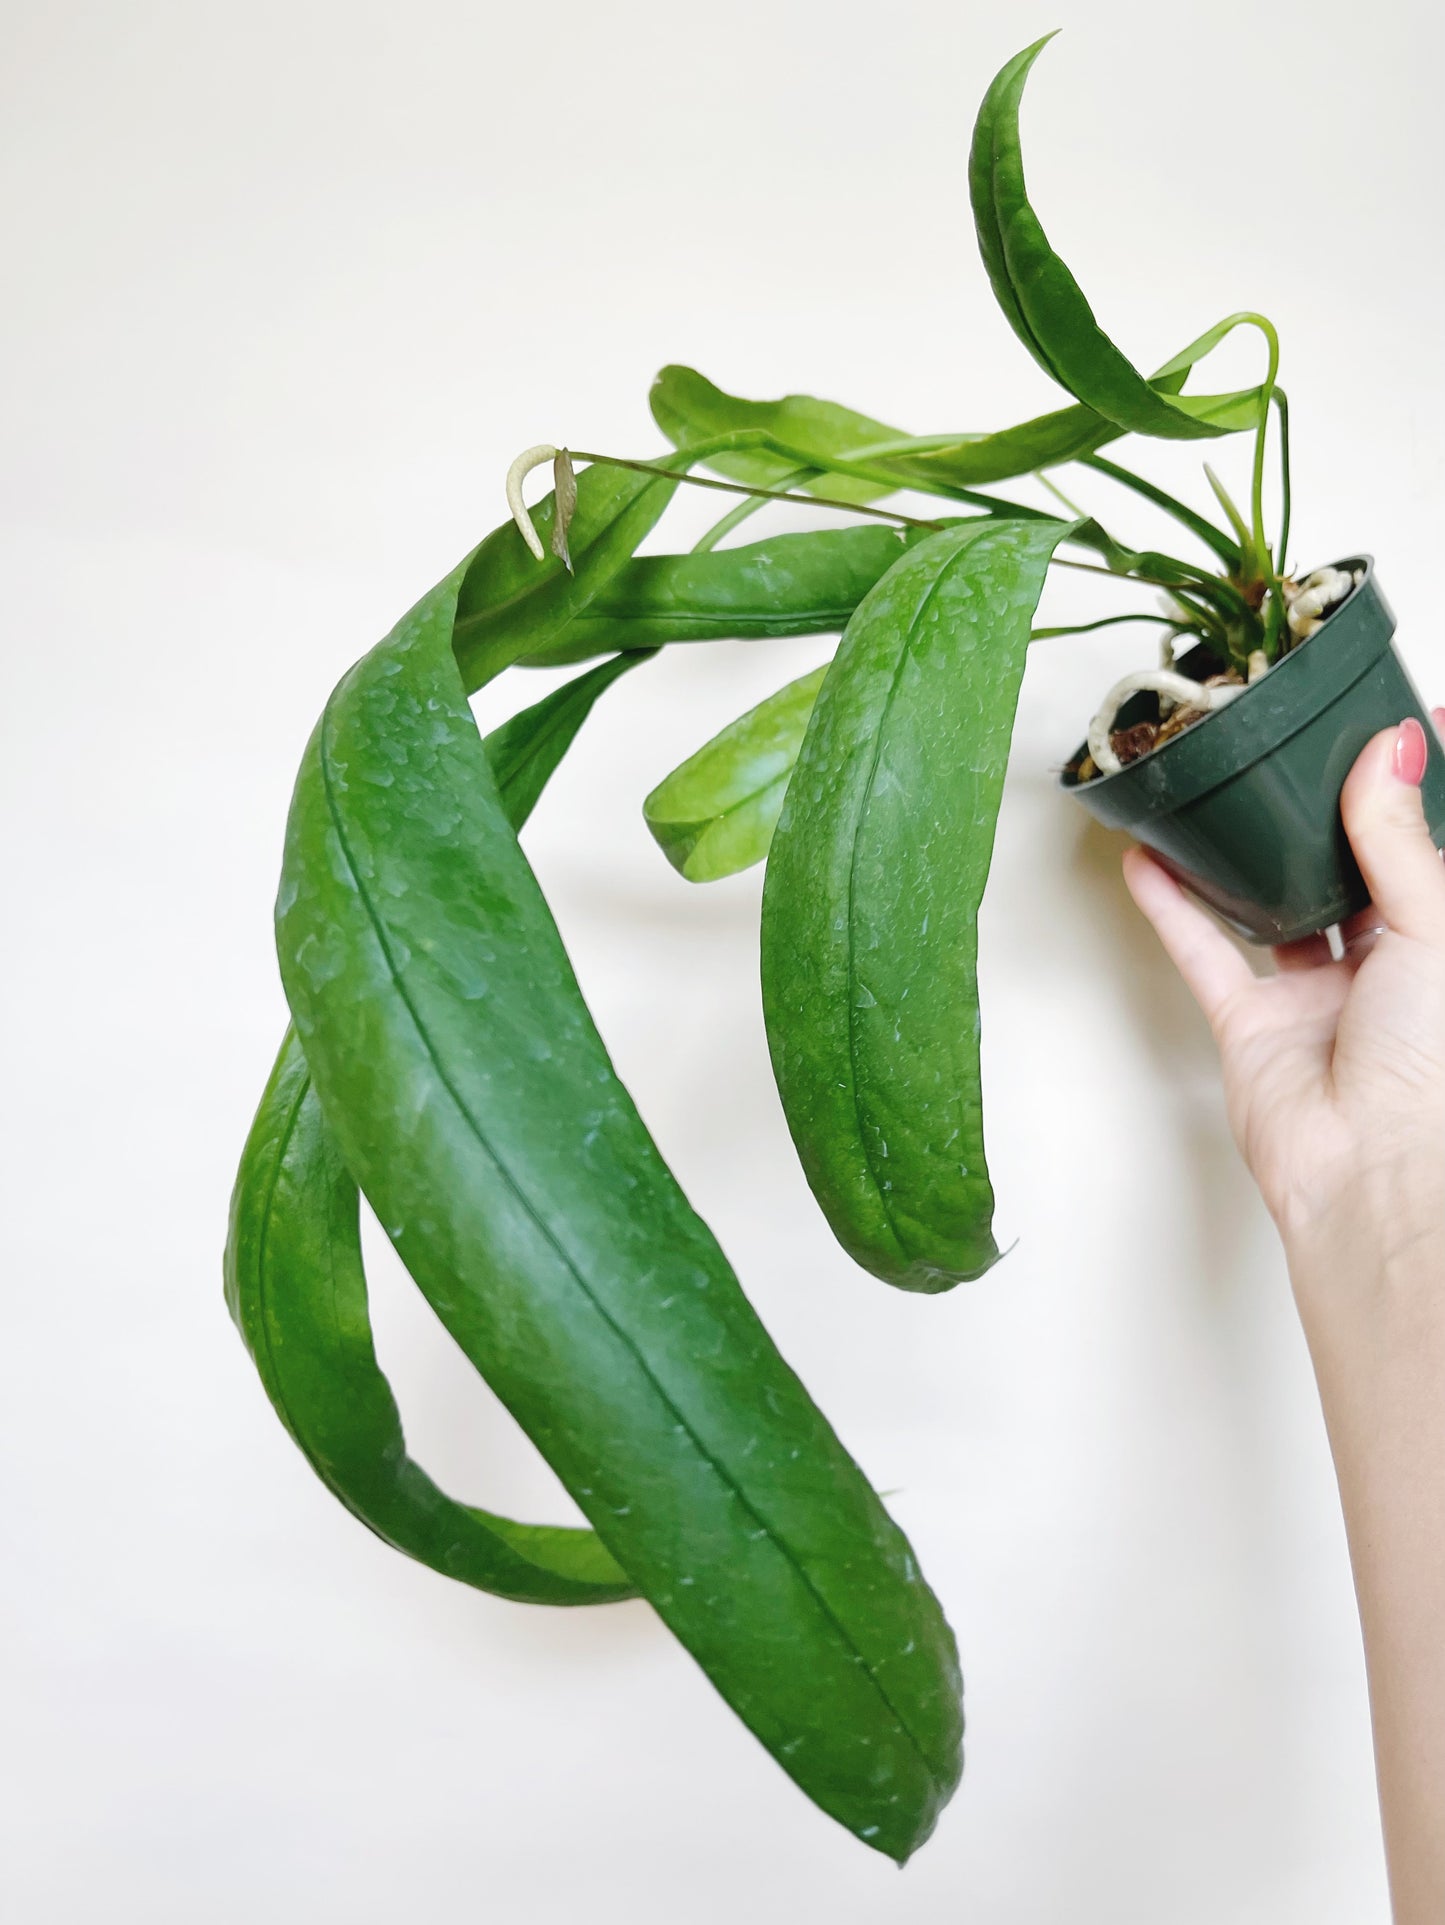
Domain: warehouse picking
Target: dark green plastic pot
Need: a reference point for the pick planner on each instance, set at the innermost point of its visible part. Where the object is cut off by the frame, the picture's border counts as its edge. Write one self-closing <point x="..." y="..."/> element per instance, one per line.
<point x="1244" y="807"/>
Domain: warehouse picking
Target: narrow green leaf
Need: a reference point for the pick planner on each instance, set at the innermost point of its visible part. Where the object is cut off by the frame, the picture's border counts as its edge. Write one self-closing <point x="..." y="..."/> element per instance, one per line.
<point x="798" y="584"/>
<point x="1226" y="502"/>
<point x="870" y="904"/>
<point x="715" y="814"/>
<point x="526" y="751"/>
<point x="1048" y="441"/>
<point x="1212" y="537"/>
<point x="690" y="410"/>
<point x="1045" y="305"/>
<point x="472" y="1097"/>
<point x="296" y="1288"/>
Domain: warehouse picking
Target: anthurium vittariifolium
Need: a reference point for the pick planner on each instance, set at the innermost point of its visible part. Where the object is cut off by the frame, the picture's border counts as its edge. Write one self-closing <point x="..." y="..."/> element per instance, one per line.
<point x="443" y="1063"/>
<point x="1046" y="306"/>
<point x="464" y="1088"/>
<point x="870" y="904"/>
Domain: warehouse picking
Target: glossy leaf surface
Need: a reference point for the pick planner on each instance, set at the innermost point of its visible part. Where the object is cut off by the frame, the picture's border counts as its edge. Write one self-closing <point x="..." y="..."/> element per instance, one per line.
<point x="716" y="813"/>
<point x="474" y="1101"/>
<point x="296" y="1288"/>
<point x="870" y="904"/>
<point x="790" y="584"/>
<point x="691" y="410"/>
<point x="1043" y="302"/>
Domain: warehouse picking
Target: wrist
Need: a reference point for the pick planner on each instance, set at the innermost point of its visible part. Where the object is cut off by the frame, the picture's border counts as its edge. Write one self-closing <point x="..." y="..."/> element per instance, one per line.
<point x="1376" y="1238"/>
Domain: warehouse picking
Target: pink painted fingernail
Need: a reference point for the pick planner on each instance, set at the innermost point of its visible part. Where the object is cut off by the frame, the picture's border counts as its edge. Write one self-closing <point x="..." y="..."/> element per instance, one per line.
<point x="1437" y="716"/>
<point x="1410" y="752"/>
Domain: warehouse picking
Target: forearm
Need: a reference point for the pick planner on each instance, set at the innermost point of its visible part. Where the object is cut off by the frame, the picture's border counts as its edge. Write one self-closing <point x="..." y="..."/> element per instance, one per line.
<point x="1370" y="1282"/>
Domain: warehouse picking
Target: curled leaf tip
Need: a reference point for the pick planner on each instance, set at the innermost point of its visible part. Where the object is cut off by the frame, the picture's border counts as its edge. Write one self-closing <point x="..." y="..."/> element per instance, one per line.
<point x="529" y="459"/>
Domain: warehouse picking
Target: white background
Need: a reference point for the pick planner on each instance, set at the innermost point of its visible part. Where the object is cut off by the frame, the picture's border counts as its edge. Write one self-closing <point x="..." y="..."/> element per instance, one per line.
<point x="285" y="287"/>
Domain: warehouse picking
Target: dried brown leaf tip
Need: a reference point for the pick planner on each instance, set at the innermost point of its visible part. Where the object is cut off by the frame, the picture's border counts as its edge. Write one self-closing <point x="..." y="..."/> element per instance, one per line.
<point x="564" y="490"/>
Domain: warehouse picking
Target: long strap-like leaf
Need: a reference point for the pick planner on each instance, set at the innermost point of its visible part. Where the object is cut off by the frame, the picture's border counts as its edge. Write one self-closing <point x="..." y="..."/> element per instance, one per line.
<point x="870" y="906"/>
<point x="805" y="583"/>
<point x="296" y="1287"/>
<point x="1045" y="305"/>
<point x="473" y="1099"/>
<point x="843" y="445"/>
<point x="691" y="409"/>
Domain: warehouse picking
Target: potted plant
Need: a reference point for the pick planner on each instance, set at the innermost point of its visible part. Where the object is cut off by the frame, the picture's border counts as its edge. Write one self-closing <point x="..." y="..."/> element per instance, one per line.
<point x="442" y="1060"/>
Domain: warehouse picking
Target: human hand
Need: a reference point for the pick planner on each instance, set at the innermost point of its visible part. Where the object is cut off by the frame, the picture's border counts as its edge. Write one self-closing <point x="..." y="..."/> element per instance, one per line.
<point x="1334" y="1071"/>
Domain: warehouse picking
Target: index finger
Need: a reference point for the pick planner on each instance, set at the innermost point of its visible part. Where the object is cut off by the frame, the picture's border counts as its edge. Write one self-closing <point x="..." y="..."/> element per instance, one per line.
<point x="1212" y="968"/>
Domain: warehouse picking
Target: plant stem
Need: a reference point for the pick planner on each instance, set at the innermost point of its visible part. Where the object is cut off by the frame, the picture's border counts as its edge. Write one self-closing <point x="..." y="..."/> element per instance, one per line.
<point x="1073" y="507"/>
<point x="912" y="444"/>
<point x="1118" y="575"/>
<point x="735" y="517"/>
<point x="745" y="440"/>
<point x="760" y="494"/>
<point x="1105" y="621"/>
<point x="1196" y="597"/>
<point x="1148" y="566"/>
<point x="1212" y="537"/>
<point x="1281" y="402"/>
<point x="1261" y="540"/>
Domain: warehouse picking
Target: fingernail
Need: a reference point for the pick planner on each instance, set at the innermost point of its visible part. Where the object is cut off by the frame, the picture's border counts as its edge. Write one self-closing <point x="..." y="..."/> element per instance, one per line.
<point x="1410" y="752"/>
<point x="1437" y="716"/>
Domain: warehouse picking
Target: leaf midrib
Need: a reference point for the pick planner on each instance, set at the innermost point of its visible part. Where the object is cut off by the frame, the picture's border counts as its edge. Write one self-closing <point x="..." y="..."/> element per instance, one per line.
<point x="548" y="1236"/>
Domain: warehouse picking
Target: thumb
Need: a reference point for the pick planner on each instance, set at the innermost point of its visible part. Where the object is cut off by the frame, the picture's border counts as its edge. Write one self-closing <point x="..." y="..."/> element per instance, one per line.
<point x="1385" y="821"/>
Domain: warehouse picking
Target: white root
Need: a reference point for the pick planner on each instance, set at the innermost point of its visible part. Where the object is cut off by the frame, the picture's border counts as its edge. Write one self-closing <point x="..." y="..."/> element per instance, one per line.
<point x="1178" y="691"/>
<point x="529" y="459"/>
<point x="1308" y="602"/>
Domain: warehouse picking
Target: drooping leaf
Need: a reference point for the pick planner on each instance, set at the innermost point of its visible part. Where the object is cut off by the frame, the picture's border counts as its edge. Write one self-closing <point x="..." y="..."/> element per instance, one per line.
<point x="845" y="447"/>
<point x="472" y="1097"/>
<point x="525" y="752"/>
<point x="691" y="410"/>
<point x="1045" y="305"/>
<point x="296" y="1288"/>
<point x="715" y="814"/>
<point x="870" y="903"/>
